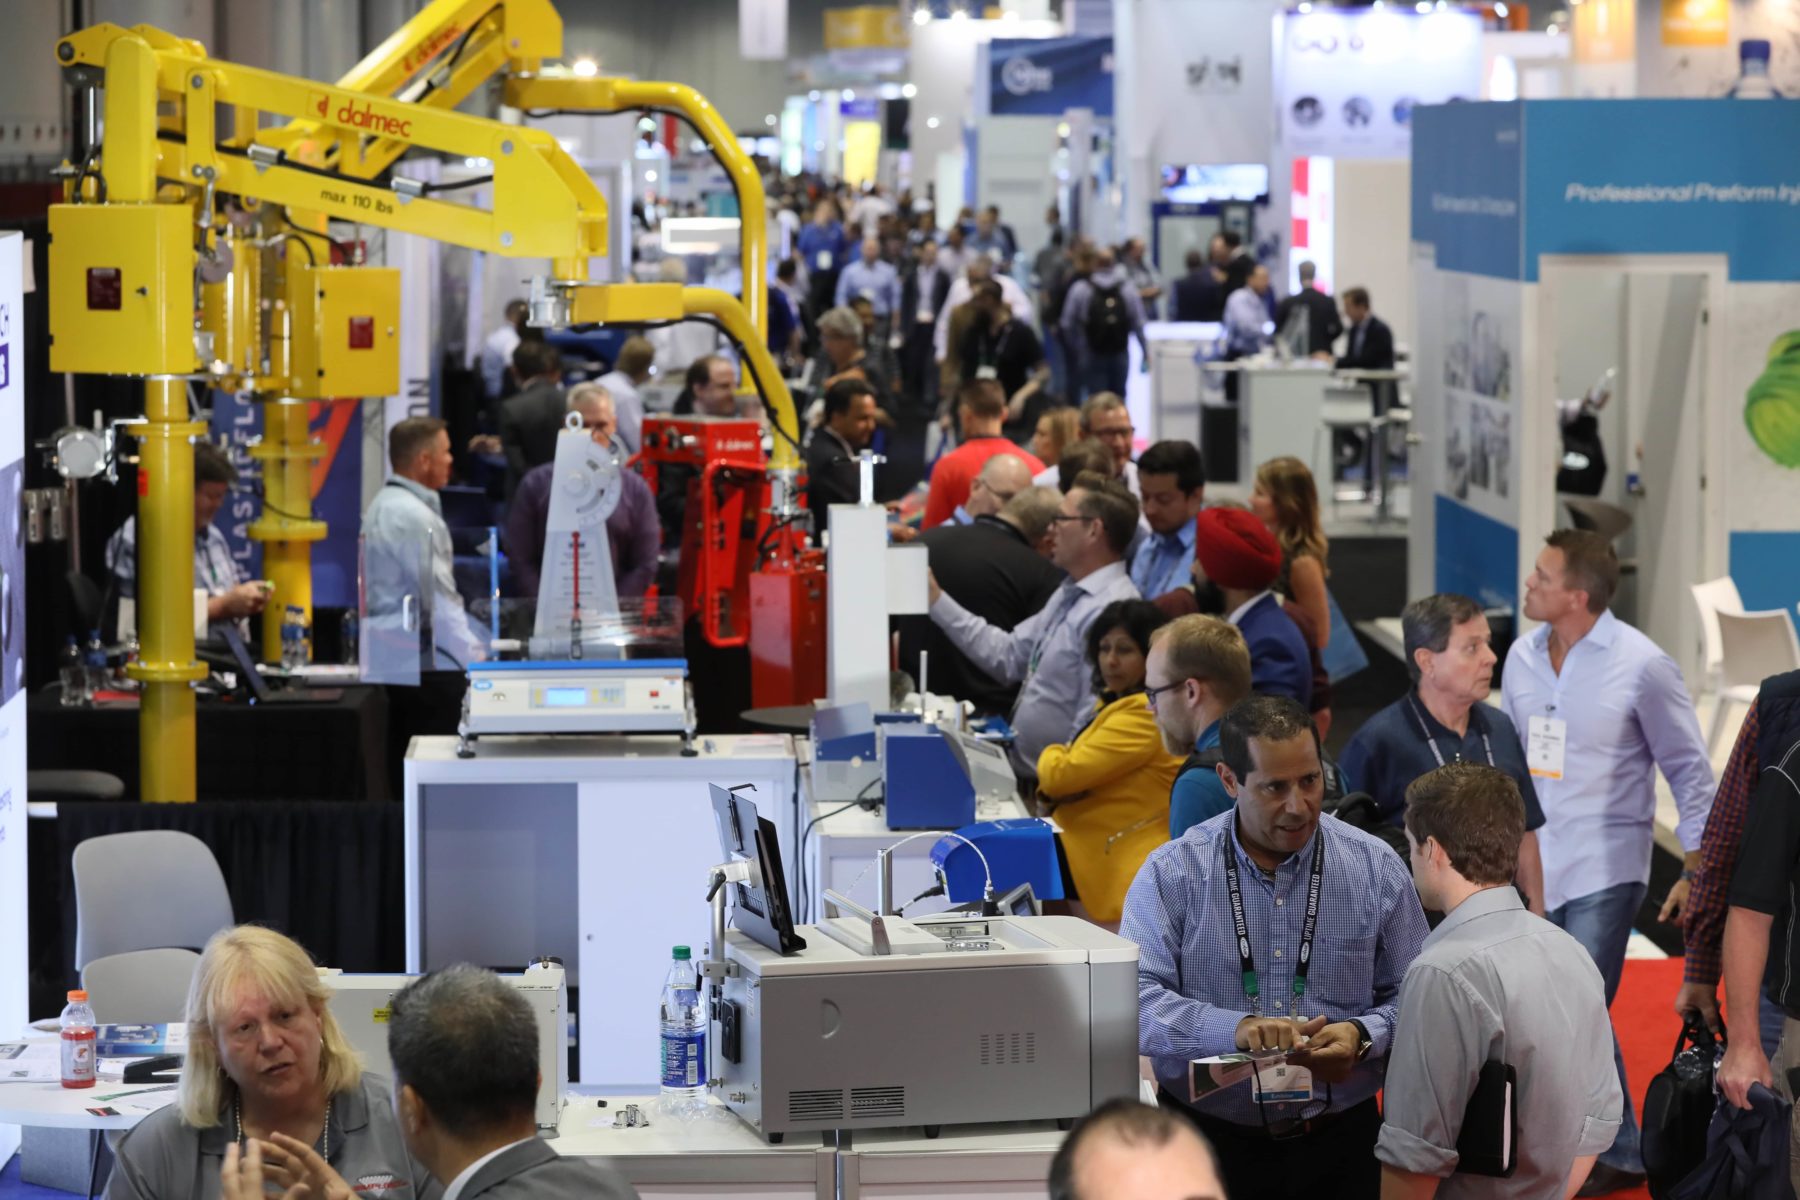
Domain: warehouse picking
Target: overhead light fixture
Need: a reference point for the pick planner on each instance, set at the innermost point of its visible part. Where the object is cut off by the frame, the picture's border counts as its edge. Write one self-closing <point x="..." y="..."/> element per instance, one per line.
<point x="1011" y="14"/>
<point x="931" y="123"/>
<point x="585" y="68"/>
<point x="813" y="95"/>
<point x="921" y="16"/>
<point x="1500" y="11"/>
<point x="909" y="90"/>
<point x="1423" y="6"/>
<point x="1062" y="129"/>
<point x="770" y="121"/>
<point x="849" y="95"/>
<point x="959" y="14"/>
<point x="1305" y="8"/>
<point x="649" y="176"/>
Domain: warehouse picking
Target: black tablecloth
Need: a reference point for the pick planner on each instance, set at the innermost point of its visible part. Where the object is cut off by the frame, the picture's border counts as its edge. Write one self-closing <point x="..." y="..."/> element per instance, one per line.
<point x="329" y="874"/>
<point x="330" y="750"/>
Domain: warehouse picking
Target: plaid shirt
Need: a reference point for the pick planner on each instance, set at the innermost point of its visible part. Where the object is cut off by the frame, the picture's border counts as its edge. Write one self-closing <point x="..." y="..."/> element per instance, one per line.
<point x="1704" y="926"/>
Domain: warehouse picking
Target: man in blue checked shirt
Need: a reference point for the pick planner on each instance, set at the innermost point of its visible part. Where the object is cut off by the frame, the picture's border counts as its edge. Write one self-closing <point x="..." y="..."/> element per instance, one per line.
<point x="1329" y="923"/>
<point x="1172" y="489"/>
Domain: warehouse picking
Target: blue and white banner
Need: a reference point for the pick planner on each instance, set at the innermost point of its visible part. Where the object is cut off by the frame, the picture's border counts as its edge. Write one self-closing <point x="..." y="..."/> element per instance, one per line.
<point x="1468" y="185"/>
<point x="1665" y="177"/>
<point x="1046" y="77"/>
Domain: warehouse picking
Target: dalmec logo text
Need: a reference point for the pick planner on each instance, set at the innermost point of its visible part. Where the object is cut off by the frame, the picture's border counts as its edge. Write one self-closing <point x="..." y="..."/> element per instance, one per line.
<point x="364" y="117"/>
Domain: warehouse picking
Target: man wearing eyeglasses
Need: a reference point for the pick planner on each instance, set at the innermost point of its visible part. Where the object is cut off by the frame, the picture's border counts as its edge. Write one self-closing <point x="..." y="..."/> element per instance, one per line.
<point x="1494" y="985"/>
<point x="1046" y="654"/>
<point x="1197" y="669"/>
<point x="1272" y="930"/>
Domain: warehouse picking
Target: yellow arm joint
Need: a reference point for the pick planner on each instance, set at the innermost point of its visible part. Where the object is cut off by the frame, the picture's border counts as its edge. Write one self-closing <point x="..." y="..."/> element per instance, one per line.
<point x="568" y="92"/>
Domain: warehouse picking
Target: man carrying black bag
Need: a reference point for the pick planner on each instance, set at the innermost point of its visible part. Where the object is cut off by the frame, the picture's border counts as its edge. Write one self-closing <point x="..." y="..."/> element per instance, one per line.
<point x="1501" y="1081"/>
<point x="1678" y="1108"/>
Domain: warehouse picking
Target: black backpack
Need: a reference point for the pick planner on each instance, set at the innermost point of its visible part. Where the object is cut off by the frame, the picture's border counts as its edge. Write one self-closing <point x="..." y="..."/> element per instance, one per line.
<point x="1678" y="1108"/>
<point x="1108" y="321"/>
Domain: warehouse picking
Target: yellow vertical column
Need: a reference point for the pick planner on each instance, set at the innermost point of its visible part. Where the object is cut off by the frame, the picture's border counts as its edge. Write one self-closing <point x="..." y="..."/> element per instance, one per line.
<point x="286" y="528"/>
<point x="165" y="579"/>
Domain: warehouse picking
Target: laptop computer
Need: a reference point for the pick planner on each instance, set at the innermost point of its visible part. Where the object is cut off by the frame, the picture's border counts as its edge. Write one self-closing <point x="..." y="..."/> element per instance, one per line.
<point x="260" y="691"/>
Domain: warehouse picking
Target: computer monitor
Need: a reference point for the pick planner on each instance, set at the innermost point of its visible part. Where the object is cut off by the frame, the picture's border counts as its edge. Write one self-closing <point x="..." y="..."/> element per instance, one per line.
<point x="248" y="676"/>
<point x="761" y="912"/>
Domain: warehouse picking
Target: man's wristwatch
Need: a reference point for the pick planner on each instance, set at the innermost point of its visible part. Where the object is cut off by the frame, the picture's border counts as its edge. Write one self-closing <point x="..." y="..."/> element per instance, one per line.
<point x="1364" y="1043"/>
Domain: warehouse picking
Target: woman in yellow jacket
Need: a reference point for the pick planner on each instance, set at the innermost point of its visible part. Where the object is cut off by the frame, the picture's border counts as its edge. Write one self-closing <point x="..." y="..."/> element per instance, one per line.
<point x="1109" y="788"/>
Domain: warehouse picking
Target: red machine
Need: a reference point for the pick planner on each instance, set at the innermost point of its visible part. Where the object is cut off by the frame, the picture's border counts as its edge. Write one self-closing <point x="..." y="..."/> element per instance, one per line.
<point x="747" y="575"/>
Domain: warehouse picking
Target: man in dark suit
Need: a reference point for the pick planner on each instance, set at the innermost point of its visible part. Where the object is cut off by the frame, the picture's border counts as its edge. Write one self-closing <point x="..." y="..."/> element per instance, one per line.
<point x="998" y="568"/>
<point x="832" y="473"/>
<point x="1322" y="322"/>
<point x="922" y="296"/>
<point x="1238" y="554"/>
<point x="530" y="421"/>
<point x="1371" y="346"/>
<point x="1235" y="262"/>
<point x="464" y="1045"/>
<point x="1200" y="294"/>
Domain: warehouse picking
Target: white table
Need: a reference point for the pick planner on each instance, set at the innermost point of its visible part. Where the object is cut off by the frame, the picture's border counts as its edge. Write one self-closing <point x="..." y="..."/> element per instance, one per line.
<point x="965" y="1162"/>
<point x="53" y="1106"/>
<point x="595" y="850"/>
<point x="719" y="1156"/>
<point x="841" y="848"/>
<point x="1279" y="410"/>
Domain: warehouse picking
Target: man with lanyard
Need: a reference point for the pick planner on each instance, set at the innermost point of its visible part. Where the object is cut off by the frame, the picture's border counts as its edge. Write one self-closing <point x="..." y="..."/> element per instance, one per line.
<point x="1603" y="708"/>
<point x="1046" y="654"/>
<point x="1273" y="931"/>
<point x="999" y="347"/>
<point x="1443" y="720"/>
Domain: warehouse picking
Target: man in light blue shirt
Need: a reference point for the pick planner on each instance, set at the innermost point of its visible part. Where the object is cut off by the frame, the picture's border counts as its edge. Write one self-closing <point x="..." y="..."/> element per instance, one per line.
<point x="1247" y="315"/>
<point x="1047" y="652"/>
<point x="1601" y="707"/>
<point x="1172" y="487"/>
<point x="1330" y="999"/>
<point x="870" y="276"/>
<point x="407" y="558"/>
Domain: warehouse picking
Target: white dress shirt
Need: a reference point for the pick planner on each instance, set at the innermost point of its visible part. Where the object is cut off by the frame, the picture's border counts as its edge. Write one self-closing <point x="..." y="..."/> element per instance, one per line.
<point x="1627" y="712"/>
<point x="1046" y="653"/>
<point x="455" y="1190"/>
<point x="407" y="553"/>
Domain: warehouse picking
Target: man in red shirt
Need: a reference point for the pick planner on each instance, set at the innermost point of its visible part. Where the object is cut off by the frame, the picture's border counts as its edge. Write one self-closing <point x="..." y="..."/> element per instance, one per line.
<point x="982" y="403"/>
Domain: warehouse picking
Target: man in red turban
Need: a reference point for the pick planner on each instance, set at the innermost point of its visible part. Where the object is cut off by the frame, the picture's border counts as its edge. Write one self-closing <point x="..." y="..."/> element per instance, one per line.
<point x="1238" y="554"/>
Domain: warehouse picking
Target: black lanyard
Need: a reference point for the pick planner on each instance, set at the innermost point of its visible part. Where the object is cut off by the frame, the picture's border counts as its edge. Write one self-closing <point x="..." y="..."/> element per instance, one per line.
<point x="1246" y="960"/>
<point x="1486" y="746"/>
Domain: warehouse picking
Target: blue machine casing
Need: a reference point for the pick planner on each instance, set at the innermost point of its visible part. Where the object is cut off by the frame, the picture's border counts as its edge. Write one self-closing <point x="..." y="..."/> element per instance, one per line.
<point x="1019" y="850"/>
<point x="844" y="732"/>
<point x="926" y="783"/>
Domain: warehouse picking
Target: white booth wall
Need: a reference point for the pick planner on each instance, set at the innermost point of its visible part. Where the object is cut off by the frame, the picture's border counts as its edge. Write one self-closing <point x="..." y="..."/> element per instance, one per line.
<point x="1372" y="247"/>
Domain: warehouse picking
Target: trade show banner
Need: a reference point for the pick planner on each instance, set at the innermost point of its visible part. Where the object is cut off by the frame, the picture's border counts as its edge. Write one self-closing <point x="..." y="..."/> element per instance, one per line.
<point x="1639" y="186"/>
<point x="14" y="959"/>
<point x="336" y="490"/>
<point x="1046" y="77"/>
<point x="1347" y="82"/>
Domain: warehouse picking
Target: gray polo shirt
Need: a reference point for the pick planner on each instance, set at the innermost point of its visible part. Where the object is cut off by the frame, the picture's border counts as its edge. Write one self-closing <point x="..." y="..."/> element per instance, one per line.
<point x="1496" y="983"/>
<point x="166" y="1159"/>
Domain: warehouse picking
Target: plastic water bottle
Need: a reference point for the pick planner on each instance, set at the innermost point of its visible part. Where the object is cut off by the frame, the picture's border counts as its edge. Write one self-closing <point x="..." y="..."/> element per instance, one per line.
<point x="128" y="654"/>
<point x="79" y="1033"/>
<point x="683" y="1039"/>
<point x="73" y="674"/>
<point x="350" y="632"/>
<point x="99" y="678"/>
<point x="290" y="637"/>
<point x="1753" y="72"/>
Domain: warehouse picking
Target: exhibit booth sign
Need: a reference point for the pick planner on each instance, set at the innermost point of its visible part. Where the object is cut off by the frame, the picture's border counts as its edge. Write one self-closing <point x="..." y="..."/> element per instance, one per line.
<point x="1682" y="206"/>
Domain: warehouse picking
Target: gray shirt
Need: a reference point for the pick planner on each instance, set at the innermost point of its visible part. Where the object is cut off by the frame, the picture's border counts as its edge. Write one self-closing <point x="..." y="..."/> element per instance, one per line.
<point x="1496" y="983"/>
<point x="628" y="407"/>
<point x="164" y="1158"/>
<point x="1046" y="652"/>
<point x="533" y="1170"/>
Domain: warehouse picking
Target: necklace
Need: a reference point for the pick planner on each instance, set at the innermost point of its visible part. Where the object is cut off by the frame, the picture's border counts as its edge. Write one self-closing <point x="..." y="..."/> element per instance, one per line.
<point x="237" y="1120"/>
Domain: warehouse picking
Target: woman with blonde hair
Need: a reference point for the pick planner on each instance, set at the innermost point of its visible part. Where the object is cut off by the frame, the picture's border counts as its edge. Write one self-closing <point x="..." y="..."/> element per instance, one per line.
<point x="1055" y="429"/>
<point x="1287" y="504"/>
<point x="267" y="1064"/>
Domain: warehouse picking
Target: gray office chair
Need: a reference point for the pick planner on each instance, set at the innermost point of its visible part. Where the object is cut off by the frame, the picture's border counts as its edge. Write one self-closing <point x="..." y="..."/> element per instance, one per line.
<point x="140" y="987"/>
<point x="147" y="890"/>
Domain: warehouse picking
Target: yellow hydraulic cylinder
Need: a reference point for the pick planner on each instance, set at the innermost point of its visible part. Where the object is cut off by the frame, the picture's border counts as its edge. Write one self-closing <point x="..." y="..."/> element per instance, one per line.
<point x="165" y="579"/>
<point x="129" y="164"/>
<point x="286" y="529"/>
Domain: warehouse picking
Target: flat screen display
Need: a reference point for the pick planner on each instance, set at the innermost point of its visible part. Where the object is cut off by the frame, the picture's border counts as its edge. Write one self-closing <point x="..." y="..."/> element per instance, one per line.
<point x="565" y="697"/>
<point x="1213" y="183"/>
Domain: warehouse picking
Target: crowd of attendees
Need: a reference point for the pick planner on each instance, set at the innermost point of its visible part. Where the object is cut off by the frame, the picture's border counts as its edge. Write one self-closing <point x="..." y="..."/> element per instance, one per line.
<point x="1160" y="660"/>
